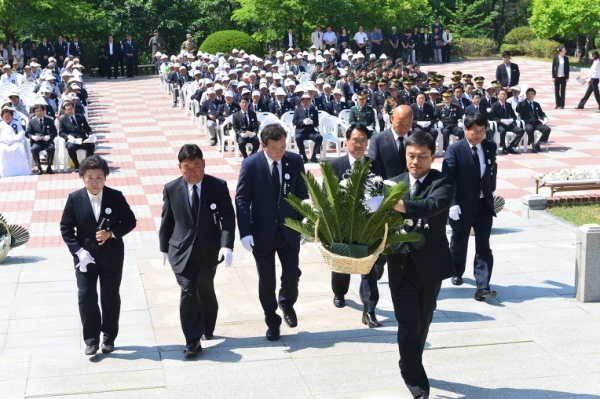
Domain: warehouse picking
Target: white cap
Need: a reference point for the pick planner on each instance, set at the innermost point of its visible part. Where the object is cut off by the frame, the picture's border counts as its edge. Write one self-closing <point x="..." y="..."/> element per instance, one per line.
<point x="434" y="91"/>
<point x="311" y="57"/>
<point x="326" y="86"/>
<point x="210" y="90"/>
<point x="372" y="56"/>
<point x="197" y="72"/>
<point x="299" y="89"/>
<point x="337" y="91"/>
<point x="218" y="87"/>
<point x="383" y="57"/>
<point x="228" y="94"/>
<point x="276" y="76"/>
<point x="280" y="92"/>
<point x="313" y="47"/>
<point x="517" y="88"/>
<point x="255" y="93"/>
<point x="246" y="91"/>
<point x="305" y="95"/>
<point x="326" y="52"/>
<point x="320" y="80"/>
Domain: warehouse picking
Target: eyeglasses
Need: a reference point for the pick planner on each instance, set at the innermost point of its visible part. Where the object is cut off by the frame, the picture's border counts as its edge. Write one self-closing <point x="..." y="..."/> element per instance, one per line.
<point x="359" y="142"/>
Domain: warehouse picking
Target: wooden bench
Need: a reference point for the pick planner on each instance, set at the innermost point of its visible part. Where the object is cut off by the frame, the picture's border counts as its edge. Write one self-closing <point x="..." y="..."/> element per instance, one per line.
<point x="566" y="185"/>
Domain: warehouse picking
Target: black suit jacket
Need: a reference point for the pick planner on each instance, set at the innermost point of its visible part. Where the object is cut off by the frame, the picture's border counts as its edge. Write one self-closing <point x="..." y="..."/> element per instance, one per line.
<point x="341" y="166"/>
<point x="428" y="114"/>
<point x="298" y="121"/>
<point x="66" y="127"/>
<point x="47" y="128"/>
<point x="383" y="149"/>
<point x="274" y="107"/>
<point x="45" y="50"/>
<point x="459" y="164"/>
<point x="260" y="210"/>
<point x="334" y="108"/>
<point x="287" y="43"/>
<point x="431" y="254"/>
<point x="77" y="50"/>
<point x="531" y="116"/>
<point x="498" y="112"/>
<point x="347" y="93"/>
<point x="482" y="110"/>
<point x="240" y="125"/>
<point x="78" y="227"/>
<point x="502" y="76"/>
<point x="117" y="54"/>
<point x="213" y="229"/>
<point x="555" y="64"/>
<point x="61" y="49"/>
<point x="129" y="49"/>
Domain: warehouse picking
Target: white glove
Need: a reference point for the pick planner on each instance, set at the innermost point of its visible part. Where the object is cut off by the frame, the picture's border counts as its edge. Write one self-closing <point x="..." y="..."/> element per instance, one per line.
<point x="225" y="254"/>
<point x="307" y="121"/>
<point x="46" y="138"/>
<point x="84" y="259"/>
<point x="248" y="243"/>
<point x="37" y="138"/>
<point x="441" y="124"/>
<point x="488" y="110"/>
<point x="386" y="118"/>
<point x="460" y="124"/>
<point x="546" y="120"/>
<point x="426" y="124"/>
<point x="70" y="138"/>
<point x="165" y="258"/>
<point x="455" y="212"/>
<point x="372" y="204"/>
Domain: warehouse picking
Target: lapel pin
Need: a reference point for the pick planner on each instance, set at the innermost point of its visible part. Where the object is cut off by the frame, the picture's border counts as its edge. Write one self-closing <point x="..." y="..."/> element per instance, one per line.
<point x="213" y="206"/>
<point x="108" y="211"/>
<point x="489" y="161"/>
<point x="287" y="176"/>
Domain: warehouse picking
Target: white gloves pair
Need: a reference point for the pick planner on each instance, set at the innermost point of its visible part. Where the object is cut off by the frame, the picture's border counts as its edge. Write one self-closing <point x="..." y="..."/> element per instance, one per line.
<point x="225" y="254"/>
<point x="372" y="204"/>
<point x="248" y="243"/>
<point x="46" y="138"/>
<point x="455" y="212"/>
<point x="37" y="138"/>
<point x="307" y="121"/>
<point x="506" y="121"/>
<point x="424" y="124"/>
<point x="84" y="259"/>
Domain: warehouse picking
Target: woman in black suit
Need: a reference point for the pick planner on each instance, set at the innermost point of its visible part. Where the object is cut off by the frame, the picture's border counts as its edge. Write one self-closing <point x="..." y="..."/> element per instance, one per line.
<point x="560" y="75"/>
<point x="93" y="224"/>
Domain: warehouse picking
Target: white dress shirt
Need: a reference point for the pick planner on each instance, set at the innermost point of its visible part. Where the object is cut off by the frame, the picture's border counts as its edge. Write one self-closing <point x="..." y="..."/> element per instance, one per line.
<point x="413" y="186"/>
<point x="482" y="165"/>
<point x="190" y="188"/>
<point x="96" y="202"/>
<point x="270" y="162"/>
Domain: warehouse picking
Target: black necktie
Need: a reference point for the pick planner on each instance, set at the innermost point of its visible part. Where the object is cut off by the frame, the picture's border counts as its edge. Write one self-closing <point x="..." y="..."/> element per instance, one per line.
<point x="421" y="109"/>
<point x="195" y="202"/>
<point x="247" y="121"/>
<point x="476" y="160"/>
<point x="275" y="179"/>
<point x="42" y="125"/>
<point x="73" y="120"/>
<point x="401" y="150"/>
<point x="417" y="189"/>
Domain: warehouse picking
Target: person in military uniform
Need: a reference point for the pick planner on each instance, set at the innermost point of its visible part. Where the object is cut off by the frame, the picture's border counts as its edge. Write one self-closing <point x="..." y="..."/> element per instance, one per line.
<point x="378" y="100"/>
<point x="391" y="102"/>
<point x="370" y="89"/>
<point x="156" y="44"/>
<point x="333" y="78"/>
<point x="362" y="112"/>
<point x="189" y="46"/>
<point x="409" y="93"/>
<point x="450" y="115"/>
<point x="479" y="81"/>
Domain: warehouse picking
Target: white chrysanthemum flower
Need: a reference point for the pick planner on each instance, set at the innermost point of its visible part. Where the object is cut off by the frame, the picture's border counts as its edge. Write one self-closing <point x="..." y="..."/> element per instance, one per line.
<point x="377" y="179"/>
<point x="403" y="231"/>
<point x="344" y="183"/>
<point x="307" y="202"/>
<point x="389" y="183"/>
<point x="305" y="221"/>
<point x="409" y="222"/>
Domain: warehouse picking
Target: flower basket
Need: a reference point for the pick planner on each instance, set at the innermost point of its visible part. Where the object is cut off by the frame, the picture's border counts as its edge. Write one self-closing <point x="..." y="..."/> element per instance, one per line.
<point x="3" y="247"/>
<point x="346" y="264"/>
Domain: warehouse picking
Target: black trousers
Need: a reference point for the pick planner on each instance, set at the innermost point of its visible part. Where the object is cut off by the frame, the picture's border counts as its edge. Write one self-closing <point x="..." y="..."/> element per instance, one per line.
<point x="451" y="130"/>
<point x="316" y="137"/>
<point x="395" y="52"/>
<point x="517" y="130"/>
<point x="129" y="65"/>
<point x="264" y="255"/>
<point x="92" y="320"/>
<point x="72" y="150"/>
<point x="38" y="146"/>
<point x="592" y="87"/>
<point x="368" y="292"/>
<point x="560" y="87"/>
<point x="243" y="140"/>
<point x="426" y="54"/>
<point x="113" y="66"/>
<point x="446" y="50"/>
<point x="483" y="263"/>
<point x="432" y="131"/>
<point x="376" y="49"/>
<point x="198" y="306"/>
<point x="414" y="303"/>
<point x="531" y="128"/>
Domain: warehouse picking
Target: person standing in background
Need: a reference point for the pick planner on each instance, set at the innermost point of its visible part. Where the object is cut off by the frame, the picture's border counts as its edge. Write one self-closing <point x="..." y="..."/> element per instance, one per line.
<point x="560" y="75"/>
<point x="592" y="79"/>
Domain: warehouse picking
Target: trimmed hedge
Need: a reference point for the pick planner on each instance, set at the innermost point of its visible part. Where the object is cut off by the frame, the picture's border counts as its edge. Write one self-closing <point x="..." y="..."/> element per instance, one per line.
<point x="520" y="34"/>
<point x="226" y="40"/>
<point x="515" y="49"/>
<point x="540" y="48"/>
<point x="473" y="47"/>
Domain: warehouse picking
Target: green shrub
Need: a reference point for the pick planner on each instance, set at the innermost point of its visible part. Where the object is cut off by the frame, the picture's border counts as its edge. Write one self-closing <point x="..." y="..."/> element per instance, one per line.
<point x="226" y="40"/>
<point x="540" y="48"/>
<point x="519" y="34"/>
<point x="473" y="47"/>
<point x="514" y="49"/>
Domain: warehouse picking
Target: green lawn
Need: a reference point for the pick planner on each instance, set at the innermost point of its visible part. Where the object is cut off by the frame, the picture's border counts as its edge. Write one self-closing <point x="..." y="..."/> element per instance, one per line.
<point x="577" y="214"/>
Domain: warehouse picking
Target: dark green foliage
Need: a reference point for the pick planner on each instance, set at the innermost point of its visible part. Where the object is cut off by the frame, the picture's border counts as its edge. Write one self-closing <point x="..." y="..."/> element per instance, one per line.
<point x="18" y="234"/>
<point x="226" y="40"/>
<point x="474" y="47"/>
<point x="520" y="34"/>
<point x="540" y="48"/>
<point x="515" y="49"/>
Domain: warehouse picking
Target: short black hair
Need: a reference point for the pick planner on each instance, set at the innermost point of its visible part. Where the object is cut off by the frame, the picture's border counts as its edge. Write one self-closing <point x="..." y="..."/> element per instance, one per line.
<point x="421" y="139"/>
<point x="531" y="90"/>
<point x="476" y="93"/>
<point x="93" y="162"/>
<point x="189" y="152"/>
<point x="503" y="90"/>
<point x="272" y="132"/>
<point x="360" y="127"/>
<point x="475" y="118"/>
<point x="66" y="104"/>
<point x="505" y="54"/>
<point x="37" y="106"/>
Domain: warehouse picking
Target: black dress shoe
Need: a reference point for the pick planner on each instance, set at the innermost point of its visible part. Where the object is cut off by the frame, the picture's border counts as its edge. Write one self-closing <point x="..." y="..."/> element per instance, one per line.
<point x="273" y="334"/>
<point x="40" y="172"/>
<point x="76" y="170"/>
<point x="561" y="107"/>
<point x="511" y="150"/>
<point x="207" y="337"/>
<point x="533" y="149"/>
<point x="213" y="143"/>
<point x="289" y="316"/>
<point x="193" y="348"/>
<point x="314" y="159"/>
<point x="578" y="107"/>
<point x="108" y="347"/>
<point x="339" y="301"/>
<point x="504" y="151"/>
<point x="457" y="280"/>
<point x="483" y="294"/>
<point x="49" y="170"/>
<point x="91" y="350"/>
<point x="370" y="320"/>
<point x="537" y="146"/>
<point x="304" y="160"/>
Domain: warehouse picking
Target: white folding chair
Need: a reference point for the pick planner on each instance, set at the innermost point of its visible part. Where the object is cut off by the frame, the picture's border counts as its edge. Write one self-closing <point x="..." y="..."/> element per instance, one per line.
<point x="287" y="119"/>
<point x="261" y="116"/>
<point x="329" y="128"/>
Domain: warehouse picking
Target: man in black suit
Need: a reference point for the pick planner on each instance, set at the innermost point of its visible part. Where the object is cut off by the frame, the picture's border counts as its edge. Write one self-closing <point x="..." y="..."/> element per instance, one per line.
<point x="306" y="121"/>
<point x="280" y="105"/>
<point x="349" y="88"/>
<point x="335" y="106"/>
<point x="389" y="147"/>
<point x="472" y="163"/>
<point x="75" y="48"/>
<point x="74" y="129"/>
<point x="507" y="73"/>
<point x="357" y="138"/>
<point x="459" y="98"/>
<point x="196" y="233"/>
<point x="61" y="49"/>
<point x="265" y="180"/>
<point x="114" y="54"/>
<point x="535" y="119"/>
<point x="503" y="113"/>
<point x="45" y="51"/>
<point x="416" y="271"/>
<point x="93" y="224"/>
<point x="245" y="125"/>
<point x="477" y="106"/>
<point x="129" y="50"/>
<point x="41" y="132"/>
<point x="289" y="39"/>
<point x="424" y="116"/>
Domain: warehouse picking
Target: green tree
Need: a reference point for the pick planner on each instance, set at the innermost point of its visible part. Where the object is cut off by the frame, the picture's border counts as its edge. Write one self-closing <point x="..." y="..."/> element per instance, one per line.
<point x="474" y="18"/>
<point x="550" y="18"/>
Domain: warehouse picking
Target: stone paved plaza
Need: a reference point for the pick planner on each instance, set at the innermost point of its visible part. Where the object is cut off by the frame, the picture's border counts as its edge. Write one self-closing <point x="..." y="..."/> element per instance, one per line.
<point x="533" y="341"/>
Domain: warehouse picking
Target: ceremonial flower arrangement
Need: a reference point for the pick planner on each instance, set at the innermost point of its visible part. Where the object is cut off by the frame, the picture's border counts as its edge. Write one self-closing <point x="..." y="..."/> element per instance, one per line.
<point x="350" y="232"/>
<point x="571" y="174"/>
<point x="11" y="236"/>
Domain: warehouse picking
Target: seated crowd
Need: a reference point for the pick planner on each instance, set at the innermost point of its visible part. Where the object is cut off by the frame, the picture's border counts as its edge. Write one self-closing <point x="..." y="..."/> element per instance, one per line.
<point x="43" y="110"/>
